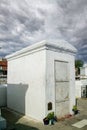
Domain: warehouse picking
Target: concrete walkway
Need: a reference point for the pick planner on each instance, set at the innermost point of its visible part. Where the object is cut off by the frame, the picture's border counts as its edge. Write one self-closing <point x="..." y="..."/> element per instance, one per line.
<point x="16" y="121"/>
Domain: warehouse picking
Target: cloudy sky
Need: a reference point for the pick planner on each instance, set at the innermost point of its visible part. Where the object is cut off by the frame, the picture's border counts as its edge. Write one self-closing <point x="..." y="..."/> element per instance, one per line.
<point x="24" y="22"/>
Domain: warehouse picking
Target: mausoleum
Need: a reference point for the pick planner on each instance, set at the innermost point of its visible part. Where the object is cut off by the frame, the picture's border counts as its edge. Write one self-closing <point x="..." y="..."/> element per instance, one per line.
<point x="41" y="79"/>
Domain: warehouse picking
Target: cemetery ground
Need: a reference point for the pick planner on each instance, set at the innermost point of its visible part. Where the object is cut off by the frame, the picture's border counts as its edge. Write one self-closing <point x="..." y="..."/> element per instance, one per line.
<point x="16" y="121"/>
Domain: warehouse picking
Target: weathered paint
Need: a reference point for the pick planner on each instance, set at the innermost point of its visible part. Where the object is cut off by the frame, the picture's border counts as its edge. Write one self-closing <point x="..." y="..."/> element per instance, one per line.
<point x="35" y="67"/>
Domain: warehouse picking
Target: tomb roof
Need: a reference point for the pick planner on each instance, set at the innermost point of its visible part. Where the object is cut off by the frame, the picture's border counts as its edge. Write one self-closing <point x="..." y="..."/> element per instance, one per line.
<point x="59" y="44"/>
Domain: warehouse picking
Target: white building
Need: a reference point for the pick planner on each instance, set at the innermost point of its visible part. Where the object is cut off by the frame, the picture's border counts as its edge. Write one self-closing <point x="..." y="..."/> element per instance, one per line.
<point x="81" y="84"/>
<point x="81" y="88"/>
<point x="41" y="79"/>
<point x="83" y="71"/>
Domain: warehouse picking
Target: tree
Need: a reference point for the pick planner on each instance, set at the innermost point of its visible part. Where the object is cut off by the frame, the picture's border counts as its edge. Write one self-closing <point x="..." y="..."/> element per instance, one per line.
<point x="78" y="64"/>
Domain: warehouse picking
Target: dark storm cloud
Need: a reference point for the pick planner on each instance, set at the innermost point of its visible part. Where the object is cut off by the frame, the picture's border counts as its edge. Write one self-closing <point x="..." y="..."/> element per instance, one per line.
<point x="75" y="28"/>
<point x="17" y="25"/>
<point x="28" y="21"/>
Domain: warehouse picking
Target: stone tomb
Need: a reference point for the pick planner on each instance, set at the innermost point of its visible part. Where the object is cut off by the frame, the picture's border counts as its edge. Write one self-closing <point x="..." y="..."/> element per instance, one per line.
<point x="47" y="70"/>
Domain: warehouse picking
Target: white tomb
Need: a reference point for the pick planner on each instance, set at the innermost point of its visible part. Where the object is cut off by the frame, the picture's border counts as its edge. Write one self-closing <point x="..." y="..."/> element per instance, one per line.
<point x="83" y="72"/>
<point x="41" y="79"/>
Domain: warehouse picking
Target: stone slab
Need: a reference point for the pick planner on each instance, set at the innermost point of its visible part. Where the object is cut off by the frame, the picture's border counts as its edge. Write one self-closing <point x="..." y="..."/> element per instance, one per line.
<point x="81" y="123"/>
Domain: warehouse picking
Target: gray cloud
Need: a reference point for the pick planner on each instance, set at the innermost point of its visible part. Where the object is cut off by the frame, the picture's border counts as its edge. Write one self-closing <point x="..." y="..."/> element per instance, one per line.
<point x="25" y="22"/>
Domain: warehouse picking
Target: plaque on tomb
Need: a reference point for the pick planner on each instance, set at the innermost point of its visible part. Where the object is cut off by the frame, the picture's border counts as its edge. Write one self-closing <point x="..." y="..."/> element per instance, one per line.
<point x="50" y="106"/>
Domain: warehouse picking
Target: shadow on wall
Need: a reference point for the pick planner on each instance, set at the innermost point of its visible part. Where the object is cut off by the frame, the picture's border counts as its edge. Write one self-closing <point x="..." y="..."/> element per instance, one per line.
<point x="14" y="120"/>
<point x="16" y="97"/>
<point x="16" y="101"/>
<point x="3" y="95"/>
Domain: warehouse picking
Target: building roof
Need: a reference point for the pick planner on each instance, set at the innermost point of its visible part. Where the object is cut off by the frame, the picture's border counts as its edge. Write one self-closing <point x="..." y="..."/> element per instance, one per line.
<point x="3" y="63"/>
<point x="59" y="44"/>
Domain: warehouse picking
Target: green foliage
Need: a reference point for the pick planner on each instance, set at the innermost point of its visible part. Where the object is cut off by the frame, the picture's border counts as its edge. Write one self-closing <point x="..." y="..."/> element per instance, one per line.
<point x="78" y="63"/>
<point x="50" y="115"/>
<point x="74" y="108"/>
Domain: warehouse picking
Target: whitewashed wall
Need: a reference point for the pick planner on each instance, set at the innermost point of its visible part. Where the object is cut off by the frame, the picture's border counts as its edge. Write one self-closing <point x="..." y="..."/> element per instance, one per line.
<point x="3" y="95"/>
<point x="83" y="70"/>
<point x="50" y="89"/>
<point x="34" y="67"/>
<point x="30" y="70"/>
<point x="16" y="97"/>
<point x="78" y="85"/>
